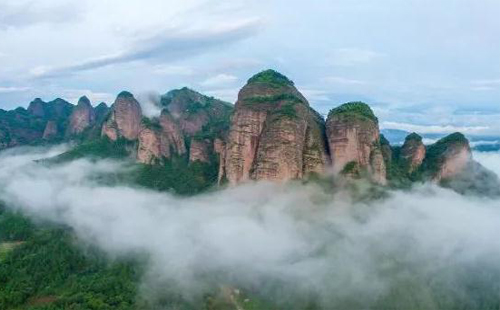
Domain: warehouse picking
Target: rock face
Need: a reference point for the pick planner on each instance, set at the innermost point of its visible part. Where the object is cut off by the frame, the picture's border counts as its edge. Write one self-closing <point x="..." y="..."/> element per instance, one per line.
<point x="194" y="112"/>
<point x="41" y="121"/>
<point x="50" y="131"/>
<point x="448" y="157"/>
<point x="83" y="117"/>
<point x="101" y="111"/>
<point x="160" y="138"/>
<point x="36" y="108"/>
<point x="125" y="118"/>
<point x="149" y="149"/>
<point x="187" y="118"/>
<point x="386" y="150"/>
<point x="199" y="150"/>
<point x="412" y="153"/>
<point x="354" y="141"/>
<point x="173" y="139"/>
<point x="274" y="134"/>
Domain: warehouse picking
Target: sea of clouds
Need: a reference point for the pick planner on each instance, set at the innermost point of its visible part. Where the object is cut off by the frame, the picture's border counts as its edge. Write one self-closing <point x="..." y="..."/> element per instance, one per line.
<point x="295" y="237"/>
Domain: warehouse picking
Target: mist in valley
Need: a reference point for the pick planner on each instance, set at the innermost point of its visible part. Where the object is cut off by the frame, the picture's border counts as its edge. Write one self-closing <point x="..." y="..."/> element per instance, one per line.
<point x="290" y="243"/>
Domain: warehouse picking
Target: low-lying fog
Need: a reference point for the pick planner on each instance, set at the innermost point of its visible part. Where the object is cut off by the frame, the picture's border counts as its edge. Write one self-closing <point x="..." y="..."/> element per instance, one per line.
<point x="254" y="235"/>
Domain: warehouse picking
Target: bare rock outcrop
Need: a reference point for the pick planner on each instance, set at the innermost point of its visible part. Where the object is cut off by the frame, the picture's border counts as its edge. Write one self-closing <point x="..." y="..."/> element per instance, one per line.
<point x="124" y="119"/>
<point x="386" y="150"/>
<point x="82" y="117"/>
<point x="51" y="131"/>
<point x="412" y="153"/>
<point x="160" y="138"/>
<point x="274" y="134"/>
<point x="195" y="112"/>
<point x="101" y="111"/>
<point x="448" y="157"/>
<point x="199" y="150"/>
<point x="354" y="141"/>
<point x="149" y="149"/>
<point x="188" y="116"/>
<point x="36" y="107"/>
<point x="172" y="139"/>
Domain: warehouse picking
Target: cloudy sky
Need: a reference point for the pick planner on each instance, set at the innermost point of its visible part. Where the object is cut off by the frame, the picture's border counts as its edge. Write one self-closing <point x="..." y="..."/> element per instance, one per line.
<point x="424" y="65"/>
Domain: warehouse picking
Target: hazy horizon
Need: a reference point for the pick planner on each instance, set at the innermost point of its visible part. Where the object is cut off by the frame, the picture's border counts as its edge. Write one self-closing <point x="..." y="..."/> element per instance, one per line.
<point x="420" y="64"/>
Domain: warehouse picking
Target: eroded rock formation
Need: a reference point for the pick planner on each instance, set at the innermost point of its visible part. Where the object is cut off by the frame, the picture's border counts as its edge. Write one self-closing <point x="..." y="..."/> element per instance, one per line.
<point x="50" y="131"/>
<point x="125" y="118"/>
<point x="199" y="150"/>
<point x="82" y="117"/>
<point x="274" y="134"/>
<point x="448" y="157"/>
<point x="354" y="141"/>
<point x="173" y="138"/>
<point x="194" y="112"/>
<point x="149" y="150"/>
<point x="412" y="153"/>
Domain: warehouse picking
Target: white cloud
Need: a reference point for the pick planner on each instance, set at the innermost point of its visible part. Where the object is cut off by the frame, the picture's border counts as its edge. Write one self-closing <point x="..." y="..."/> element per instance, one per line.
<point x="39" y="71"/>
<point x="13" y="89"/>
<point x="315" y="94"/>
<point x="173" y="70"/>
<point x="485" y="85"/>
<point x="434" y="128"/>
<point x="168" y="45"/>
<point x="490" y="160"/>
<point x="428" y="141"/>
<point x="72" y="95"/>
<point x="482" y="88"/>
<point x="352" y="57"/>
<point x="302" y="238"/>
<point x="343" y="81"/>
<point x="219" y="80"/>
<point x="150" y="103"/>
<point x="23" y="13"/>
<point x="490" y="82"/>
<point x="226" y="94"/>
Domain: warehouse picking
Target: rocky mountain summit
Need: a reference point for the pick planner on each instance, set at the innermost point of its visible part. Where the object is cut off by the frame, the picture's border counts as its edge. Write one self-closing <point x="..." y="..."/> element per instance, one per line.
<point x="354" y="142"/>
<point x="448" y="157"/>
<point x="274" y="134"/>
<point x="82" y="117"/>
<point x="412" y="153"/>
<point x="271" y="133"/>
<point x="125" y="118"/>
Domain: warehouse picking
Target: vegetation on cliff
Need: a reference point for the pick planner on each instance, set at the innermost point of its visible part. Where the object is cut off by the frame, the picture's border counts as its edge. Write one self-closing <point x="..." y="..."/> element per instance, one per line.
<point x="413" y="137"/>
<point x="436" y="153"/>
<point x="271" y="78"/>
<point x="354" y="109"/>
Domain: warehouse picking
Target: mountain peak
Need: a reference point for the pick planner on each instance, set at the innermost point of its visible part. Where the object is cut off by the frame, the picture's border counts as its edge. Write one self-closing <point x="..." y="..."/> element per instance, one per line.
<point x="37" y="100"/>
<point x="102" y="105"/>
<point x="83" y="100"/>
<point x="413" y="136"/>
<point x="357" y="108"/>
<point x="272" y="77"/>
<point x="125" y="94"/>
<point x="456" y="137"/>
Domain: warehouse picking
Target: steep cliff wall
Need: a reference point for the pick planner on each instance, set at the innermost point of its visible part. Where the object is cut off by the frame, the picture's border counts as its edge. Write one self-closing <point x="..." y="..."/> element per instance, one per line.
<point x="412" y="153"/>
<point x="82" y="117"/>
<point x="274" y="134"/>
<point x="125" y="118"/>
<point x="448" y="157"/>
<point x="354" y="141"/>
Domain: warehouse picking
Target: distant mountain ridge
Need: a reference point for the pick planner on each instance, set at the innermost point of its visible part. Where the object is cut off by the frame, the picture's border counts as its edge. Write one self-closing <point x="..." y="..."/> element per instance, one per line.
<point x="271" y="133"/>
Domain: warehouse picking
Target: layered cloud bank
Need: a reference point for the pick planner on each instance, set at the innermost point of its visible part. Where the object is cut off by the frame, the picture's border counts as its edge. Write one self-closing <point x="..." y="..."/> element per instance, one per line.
<point x="295" y="237"/>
